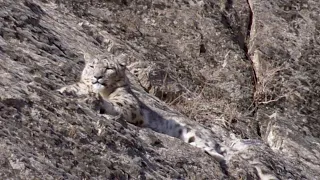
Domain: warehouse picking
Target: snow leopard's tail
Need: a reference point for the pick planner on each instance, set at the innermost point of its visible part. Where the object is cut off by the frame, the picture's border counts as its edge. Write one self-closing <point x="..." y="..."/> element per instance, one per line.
<point x="209" y="146"/>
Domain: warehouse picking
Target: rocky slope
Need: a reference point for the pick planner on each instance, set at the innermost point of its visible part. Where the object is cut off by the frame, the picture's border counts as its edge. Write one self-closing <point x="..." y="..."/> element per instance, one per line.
<point x="244" y="69"/>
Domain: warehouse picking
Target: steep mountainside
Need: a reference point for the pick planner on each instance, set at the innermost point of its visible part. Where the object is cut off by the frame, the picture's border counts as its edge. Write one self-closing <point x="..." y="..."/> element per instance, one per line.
<point x="244" y="69"/>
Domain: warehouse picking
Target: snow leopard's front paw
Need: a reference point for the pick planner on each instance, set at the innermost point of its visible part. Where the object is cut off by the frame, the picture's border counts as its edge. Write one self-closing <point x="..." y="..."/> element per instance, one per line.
<point x="68" y="90"/>
<point x="95" y="103"/>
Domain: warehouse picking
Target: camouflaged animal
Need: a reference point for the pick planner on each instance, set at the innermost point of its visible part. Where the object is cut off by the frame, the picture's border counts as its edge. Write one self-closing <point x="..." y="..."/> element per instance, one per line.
<point x="107" y="77"/>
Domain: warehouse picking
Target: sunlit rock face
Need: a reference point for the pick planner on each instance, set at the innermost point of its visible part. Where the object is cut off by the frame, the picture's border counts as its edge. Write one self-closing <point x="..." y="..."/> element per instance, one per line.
<point x="245" y="70"/>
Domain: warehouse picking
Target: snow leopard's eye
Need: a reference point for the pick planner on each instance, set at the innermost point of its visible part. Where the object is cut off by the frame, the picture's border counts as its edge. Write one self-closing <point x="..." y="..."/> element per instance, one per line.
<point x="107" y="68"/>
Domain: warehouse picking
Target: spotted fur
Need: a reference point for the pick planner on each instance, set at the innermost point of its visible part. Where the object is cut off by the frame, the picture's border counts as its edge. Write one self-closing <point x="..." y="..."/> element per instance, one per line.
<point x="107" y="77"/>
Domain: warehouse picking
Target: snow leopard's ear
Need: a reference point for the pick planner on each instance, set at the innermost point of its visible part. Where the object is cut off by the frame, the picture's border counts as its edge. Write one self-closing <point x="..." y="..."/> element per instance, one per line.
<point x="87" y="57"/>
<point x="122" y="59"/>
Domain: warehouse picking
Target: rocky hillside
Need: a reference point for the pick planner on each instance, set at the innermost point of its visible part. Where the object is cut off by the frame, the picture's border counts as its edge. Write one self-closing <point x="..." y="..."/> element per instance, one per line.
<point x="244" y="69"/>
